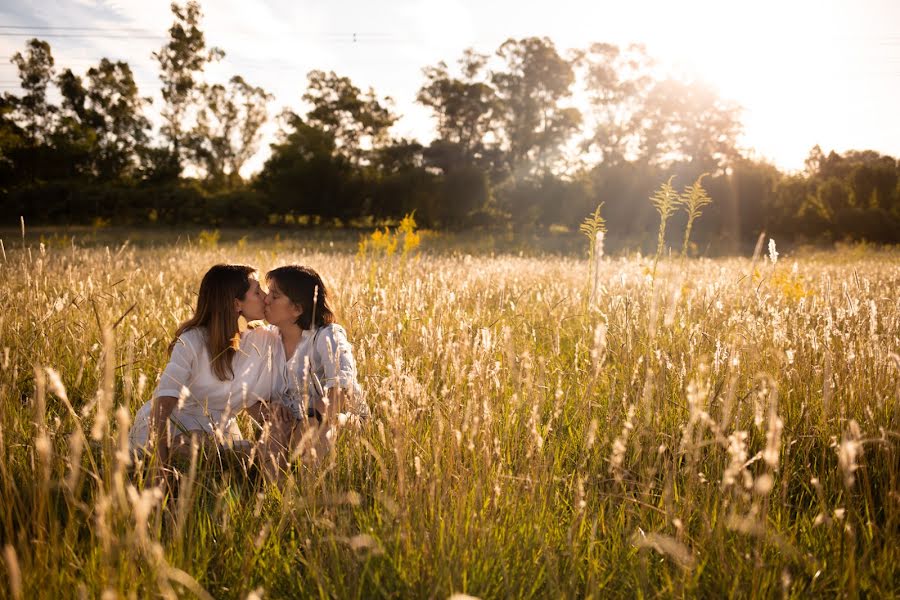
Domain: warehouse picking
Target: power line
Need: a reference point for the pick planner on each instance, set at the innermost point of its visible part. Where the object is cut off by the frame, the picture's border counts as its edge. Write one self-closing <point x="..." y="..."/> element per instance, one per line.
<point x="127" y="33"/>
<point x="350" y="34"/>
<point x="71" y="28"/>
<point x="138" y="29"/>
<point x="85" y="35"/>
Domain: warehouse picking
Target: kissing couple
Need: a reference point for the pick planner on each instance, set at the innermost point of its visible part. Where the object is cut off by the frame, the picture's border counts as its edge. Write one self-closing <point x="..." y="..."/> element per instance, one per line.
<point x="295" y="375"/>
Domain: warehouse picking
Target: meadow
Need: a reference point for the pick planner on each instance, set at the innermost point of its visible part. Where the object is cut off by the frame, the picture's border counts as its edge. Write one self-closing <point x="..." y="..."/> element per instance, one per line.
<point x="543" y="426"/>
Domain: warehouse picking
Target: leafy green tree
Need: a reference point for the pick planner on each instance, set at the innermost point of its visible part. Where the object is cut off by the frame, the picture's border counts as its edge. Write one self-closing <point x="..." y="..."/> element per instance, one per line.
<point x="116" y="110"/>
<point x="33" y="113"/>
<point x="832" y="197"/>
<point x="358" y="122"/>
<point x="158" y="164"/>
<point x="306" y="175"/>
<point x="74" y="96"/>
<point x="853" y="196"/>
<point x="398" y="156"/>
<point x="752" y="185"/>
<point x="181" y="60"/>
<point x="871" y="177"/>
<point x="402" y="184"/>
<point x="531" y="88"/>
<point x="36" y="70"/>
<point x="874" y="184"/>
<point x="228" y="129"/>
<point x="791" y="193"/>
<point x="102" y="123"/>
<point x="462" y="195"/>
<point x="687" y="122"/>
<point x="12" y="140"/>
<point x="446" y="156"/>
<point x="465" y="107"/>
<point x="814" y="161"/>
<point x="617" y="81"/>
<point x="75" y="137"/>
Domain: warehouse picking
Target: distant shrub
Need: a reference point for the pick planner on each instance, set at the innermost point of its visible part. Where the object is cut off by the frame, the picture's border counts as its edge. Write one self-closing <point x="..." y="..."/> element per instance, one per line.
<point x="209" y="239"/>
<point x="402" y="238"/>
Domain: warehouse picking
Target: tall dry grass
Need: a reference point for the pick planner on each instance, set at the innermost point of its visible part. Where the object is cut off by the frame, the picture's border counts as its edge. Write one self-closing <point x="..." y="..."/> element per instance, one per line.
<point x="728" y="427"/>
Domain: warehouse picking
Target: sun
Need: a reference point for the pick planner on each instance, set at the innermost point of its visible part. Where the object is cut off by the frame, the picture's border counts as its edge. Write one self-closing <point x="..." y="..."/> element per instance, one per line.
<point x="765" y="56"/>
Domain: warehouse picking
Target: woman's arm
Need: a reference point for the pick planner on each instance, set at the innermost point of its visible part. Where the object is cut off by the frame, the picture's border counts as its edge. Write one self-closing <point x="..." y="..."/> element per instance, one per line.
<point x="336" y="354"/>
<point x="173" y="384"/>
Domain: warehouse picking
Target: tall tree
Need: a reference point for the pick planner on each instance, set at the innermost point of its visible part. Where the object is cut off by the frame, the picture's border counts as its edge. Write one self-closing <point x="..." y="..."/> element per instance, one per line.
<point x="180" y="61"/>
<point x="305" y="173"/>
<point x="74" y="96"/>
<point x="228" y="128"/>
<point x="531" y="89"/>
<point x="814" y="160"/>
<point x="688" y="122"/>
<point x="465" y="107"/>
<point x="103" y="116"/>
<point x="35" y="74"/>
<point x="357" y="121"/>
<point x="617" y="81"/>
<point x="121" y="125"/>
<point x="399" y="156"/>
<point x="12" y="139"/>
<point x="75" y="137"/>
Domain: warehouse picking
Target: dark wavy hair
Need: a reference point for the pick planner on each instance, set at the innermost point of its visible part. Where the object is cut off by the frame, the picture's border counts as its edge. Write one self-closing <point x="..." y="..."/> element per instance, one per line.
<point x="221" y="285"/>
<point x="300" y="284"/>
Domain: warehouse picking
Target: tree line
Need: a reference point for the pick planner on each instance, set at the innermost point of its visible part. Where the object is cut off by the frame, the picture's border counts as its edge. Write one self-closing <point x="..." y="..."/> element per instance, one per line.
<point x="513" y="149"/>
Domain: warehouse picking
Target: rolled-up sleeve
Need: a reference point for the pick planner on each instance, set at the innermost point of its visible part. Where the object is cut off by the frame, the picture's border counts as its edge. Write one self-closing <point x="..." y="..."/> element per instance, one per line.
<point x="336" y="354"/>
<point x="177" y="373"/>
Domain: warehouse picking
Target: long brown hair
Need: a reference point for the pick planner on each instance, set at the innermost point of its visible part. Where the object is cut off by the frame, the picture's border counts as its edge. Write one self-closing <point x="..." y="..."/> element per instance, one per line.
<point x="215" y="312"/>
<point x="300" y="284"/>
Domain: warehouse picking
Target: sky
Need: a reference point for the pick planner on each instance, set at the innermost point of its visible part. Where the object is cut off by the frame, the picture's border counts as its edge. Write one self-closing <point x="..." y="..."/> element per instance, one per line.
<point x="823" y="72"/>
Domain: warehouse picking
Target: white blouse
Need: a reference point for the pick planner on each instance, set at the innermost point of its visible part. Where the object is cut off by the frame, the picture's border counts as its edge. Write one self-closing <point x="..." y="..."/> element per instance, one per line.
<point x="207" y="403"/>
<point x="326" y="353"/>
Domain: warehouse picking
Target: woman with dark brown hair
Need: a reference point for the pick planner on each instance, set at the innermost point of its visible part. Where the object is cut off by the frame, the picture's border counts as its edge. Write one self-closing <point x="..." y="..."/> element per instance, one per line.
<point x="214" y="370"/>
<point x="320" y="371"/>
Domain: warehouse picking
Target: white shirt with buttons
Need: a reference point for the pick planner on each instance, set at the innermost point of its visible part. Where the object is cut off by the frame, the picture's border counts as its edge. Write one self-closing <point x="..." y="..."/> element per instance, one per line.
<point x="207" y="403"/>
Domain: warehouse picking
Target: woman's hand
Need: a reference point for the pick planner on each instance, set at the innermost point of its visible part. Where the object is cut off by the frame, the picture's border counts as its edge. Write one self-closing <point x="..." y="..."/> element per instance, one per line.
<point x="273" y="447"/>
<point x="270" y="412"/>
<point x="279" y="419"/>
<point x="336" y="401"/>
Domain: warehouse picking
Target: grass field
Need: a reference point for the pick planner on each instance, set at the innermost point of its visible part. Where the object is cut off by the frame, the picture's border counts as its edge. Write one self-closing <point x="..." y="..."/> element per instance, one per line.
<point x="728" y="428"/>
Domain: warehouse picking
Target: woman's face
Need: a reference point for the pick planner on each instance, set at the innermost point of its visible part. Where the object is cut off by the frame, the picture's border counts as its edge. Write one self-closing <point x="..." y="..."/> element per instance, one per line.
<point x="254" y="303"/>
<point x="280" y="310"/>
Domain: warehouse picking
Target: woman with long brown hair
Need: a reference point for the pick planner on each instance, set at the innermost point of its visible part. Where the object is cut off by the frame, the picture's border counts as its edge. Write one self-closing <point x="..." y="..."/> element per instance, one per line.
<point x="214" y="370"/>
